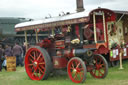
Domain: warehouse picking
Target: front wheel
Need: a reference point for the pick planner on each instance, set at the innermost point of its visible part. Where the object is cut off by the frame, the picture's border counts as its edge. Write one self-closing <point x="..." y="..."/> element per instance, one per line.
<point x="100" y="67"/>
<point x="76" y="70"/>
<point x="37" y="63"/>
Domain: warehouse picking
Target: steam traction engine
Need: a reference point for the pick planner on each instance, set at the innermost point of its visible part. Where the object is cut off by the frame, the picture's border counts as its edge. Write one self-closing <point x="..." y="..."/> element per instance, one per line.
<point x="75" y="42"/>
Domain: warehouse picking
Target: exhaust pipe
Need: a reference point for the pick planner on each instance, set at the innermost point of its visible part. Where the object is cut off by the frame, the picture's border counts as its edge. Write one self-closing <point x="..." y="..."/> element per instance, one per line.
<point x="80" y="6"/>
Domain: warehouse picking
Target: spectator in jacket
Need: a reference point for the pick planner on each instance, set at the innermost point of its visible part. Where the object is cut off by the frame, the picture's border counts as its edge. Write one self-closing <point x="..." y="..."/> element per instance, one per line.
<point x="17" y="51"/>
<point x="1" y="54"/>
<point x="7" y="53"/>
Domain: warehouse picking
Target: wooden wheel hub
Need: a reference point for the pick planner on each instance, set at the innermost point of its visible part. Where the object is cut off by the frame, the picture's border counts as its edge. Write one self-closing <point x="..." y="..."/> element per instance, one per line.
<point x="74" y="71"/>
<point x="35" y="63"/>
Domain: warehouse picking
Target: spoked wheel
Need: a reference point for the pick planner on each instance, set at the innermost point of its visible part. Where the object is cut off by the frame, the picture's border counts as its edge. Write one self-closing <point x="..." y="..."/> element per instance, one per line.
<point x="115" y="63"/>
<point x="37" y="63"/>
<point x="100" y="67"/>
<point x="76" y="70"/>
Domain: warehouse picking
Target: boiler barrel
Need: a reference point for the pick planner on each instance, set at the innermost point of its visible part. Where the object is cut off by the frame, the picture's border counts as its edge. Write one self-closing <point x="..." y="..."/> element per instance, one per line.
<point x="83" y="52"/>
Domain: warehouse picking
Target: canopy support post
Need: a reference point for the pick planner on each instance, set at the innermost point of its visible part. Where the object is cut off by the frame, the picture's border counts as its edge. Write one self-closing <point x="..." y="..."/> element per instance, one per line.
<point x="36" y="36"/>
<point x="26" y="42"/>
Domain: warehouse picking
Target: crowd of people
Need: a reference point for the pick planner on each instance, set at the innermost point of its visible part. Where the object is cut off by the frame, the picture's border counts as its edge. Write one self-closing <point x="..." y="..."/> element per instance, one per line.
<point x="16" y="50"/>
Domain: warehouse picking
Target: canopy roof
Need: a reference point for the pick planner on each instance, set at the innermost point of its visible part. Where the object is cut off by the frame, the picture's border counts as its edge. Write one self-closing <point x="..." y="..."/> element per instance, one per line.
<point x="53" y="22"/>
<point x="68" y="19"/>
<point x="121" y="12"/>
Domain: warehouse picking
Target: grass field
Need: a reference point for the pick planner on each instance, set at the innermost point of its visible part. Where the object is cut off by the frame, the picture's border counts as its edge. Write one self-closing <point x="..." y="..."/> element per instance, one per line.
<point x="114" y="77"/>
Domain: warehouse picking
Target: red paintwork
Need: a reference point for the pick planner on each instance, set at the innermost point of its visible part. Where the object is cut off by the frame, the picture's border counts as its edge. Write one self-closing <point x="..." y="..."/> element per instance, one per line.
<point x="100" y="68"/>
<point x="59" y="62"/>
<point x="69" y="53"/>
<point x="46" y="43"/>
<point x="66" y="53"/>
<point x="90" y="68"/>
<point x="77" y="31"/>
<point x="101" y="48"/>
<point x="60" y="44"/>
<point x="88" y="33"/>
<point x="64" y="49"/>
<point x="32" y="57"/>
<point x="75" y="71"/>
<point x="109" y="15"/>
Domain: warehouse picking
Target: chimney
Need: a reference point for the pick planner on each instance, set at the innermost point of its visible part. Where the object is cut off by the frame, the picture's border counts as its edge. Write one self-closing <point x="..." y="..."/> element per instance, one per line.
<point x="80" y="6"/>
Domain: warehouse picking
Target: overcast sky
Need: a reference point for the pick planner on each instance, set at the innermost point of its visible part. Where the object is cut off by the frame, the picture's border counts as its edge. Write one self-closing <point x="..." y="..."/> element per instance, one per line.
<point x="38" y="9"/>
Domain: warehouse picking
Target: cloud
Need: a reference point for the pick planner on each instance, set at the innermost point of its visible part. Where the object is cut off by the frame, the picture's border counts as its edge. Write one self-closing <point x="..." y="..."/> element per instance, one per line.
<point x="95" y="2"/>
<point x="109" y="4"/>
<point x="34" y="8"/>
<point x="40" y="8"/>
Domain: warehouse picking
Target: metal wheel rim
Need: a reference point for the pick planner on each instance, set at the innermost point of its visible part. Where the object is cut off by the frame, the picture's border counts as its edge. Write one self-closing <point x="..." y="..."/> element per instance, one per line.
<point x="76" y="71"/>
<point x="35" y="64"/>
<point x="100" y="68"/>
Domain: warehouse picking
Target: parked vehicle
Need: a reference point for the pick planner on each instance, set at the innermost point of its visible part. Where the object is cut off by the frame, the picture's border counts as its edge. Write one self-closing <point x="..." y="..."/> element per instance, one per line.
<point x="80" y="42"/>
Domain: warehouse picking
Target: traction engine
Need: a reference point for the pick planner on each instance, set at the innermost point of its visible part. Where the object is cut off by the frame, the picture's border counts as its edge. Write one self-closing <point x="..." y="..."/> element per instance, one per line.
<point x="63" y="49"/>
<point x="77" y="42"/>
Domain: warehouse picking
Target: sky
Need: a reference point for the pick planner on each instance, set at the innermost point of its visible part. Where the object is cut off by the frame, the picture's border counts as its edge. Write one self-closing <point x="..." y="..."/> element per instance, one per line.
<point x="38" y="9"/>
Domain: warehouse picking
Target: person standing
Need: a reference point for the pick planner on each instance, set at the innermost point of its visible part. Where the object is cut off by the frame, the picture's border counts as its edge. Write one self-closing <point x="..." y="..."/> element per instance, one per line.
<point x="7" y="53"/>
<point x="1" y="54"/>
<point x="17" y="51"/>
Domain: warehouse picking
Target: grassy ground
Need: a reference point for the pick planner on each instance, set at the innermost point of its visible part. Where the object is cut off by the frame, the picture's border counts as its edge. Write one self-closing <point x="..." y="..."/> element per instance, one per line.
<point x="114" y="77"/>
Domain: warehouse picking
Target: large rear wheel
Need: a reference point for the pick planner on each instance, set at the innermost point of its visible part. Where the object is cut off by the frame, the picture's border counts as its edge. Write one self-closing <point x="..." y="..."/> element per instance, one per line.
<point x="76" y="70"/>
<point x="37" y="63"/>
<point x="100" y="67"/>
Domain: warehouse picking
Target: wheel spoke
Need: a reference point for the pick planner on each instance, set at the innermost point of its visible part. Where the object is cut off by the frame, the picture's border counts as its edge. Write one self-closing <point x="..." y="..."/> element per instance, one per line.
<point x="32" y="69"/>
<point x="73" y="65"/>
<point x="96" y="60"/>
<point x="33" y="72"/>
<point x="36" y="73"/>
<point x="42" y="67"/>
<point x="100" y="61"/>
<point x="101" y="65"/>
<point x="95" y="71"/>
<point x="36" y="53"/>
<point x="41" y="63"/>
<point x="39" y="73"/>
<point x="32" y="56"/>
<point x="81" y="73"/>
<point x="101" y="73"/>
<point x="41" y="59"/>
<point x="75" y="76"/>
<point x="98" y="73"/>
<point x="40" y="70"/>
<point x="30" y="64"/>
<point x="100" y="70"/>
<point x="71" y="68"/>
<point x="78" y="65"/>
<point x="31" y="60"/>
<point x="38" y="57"/>
<point x="76" y="62"/>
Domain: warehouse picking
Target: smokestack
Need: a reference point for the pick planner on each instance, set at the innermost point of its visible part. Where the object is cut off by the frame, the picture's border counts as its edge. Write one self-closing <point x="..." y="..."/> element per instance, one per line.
<point x="80" y="6"/>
